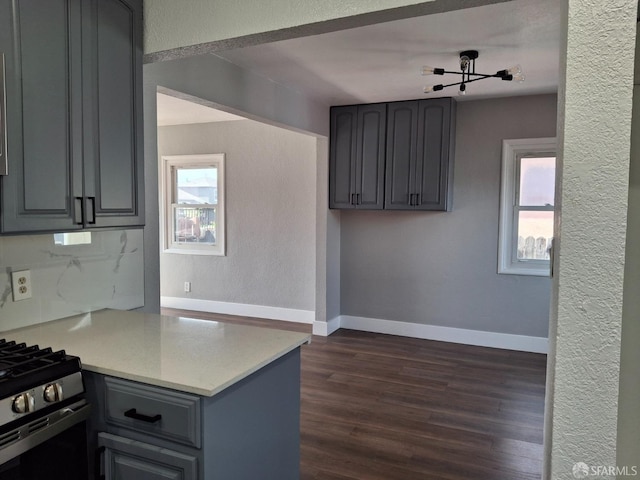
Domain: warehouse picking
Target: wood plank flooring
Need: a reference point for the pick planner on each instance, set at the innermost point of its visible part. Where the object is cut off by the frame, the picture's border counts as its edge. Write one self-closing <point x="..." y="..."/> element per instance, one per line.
<point x="382" y="407"/>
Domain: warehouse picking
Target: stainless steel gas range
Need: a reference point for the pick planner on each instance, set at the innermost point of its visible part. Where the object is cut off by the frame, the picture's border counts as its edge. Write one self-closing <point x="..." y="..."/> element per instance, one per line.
<point x="43" y="414"/>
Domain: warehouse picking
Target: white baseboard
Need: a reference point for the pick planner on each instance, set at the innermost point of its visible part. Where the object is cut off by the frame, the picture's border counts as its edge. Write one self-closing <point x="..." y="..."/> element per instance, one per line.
<point x="405" y="329"/>
<point x="445" y="334"/>
<point x="243" y="309"/>
<point x="326" y="328"/>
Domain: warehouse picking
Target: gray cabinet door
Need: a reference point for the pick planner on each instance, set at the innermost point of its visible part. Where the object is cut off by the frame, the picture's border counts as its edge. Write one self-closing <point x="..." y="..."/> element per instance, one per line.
<point x="342" y="154"/>
<point x="402" y="120"/>
<point x="113" y="144"/>
<point x="356" y="169"/>
<point x="41" y="41"/>
<point x="434" y="154"/>
<point x="420" y="139"/>
<point x="370" y="137"/>
<point x="74" y="114"/>
<point x="126" y="459"/>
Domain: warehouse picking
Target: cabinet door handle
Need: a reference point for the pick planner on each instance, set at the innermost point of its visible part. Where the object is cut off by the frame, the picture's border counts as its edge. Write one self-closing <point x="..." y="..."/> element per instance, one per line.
<point x="78" y="210"/>
<point x="411" y="199"/>
<point x="353" y="199"/>
<point x="4" y="164"/>
<point x="91" y="220"/>
<point x="132" y="413"/>
<point x="417" y="200"/>
<point x="358" y="199"/>
<point x="98" y="464"/>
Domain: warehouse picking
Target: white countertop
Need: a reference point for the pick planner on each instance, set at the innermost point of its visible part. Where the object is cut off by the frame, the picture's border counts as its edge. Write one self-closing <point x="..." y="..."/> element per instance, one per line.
<point x="197" y="356"/>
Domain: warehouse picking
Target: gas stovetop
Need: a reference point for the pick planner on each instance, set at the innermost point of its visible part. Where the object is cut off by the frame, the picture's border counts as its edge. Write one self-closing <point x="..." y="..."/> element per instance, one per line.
<point x="34" y="379"/>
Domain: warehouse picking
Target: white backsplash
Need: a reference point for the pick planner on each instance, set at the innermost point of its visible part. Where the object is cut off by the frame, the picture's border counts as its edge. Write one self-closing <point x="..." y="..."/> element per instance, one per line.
<point x="72" y="279"/>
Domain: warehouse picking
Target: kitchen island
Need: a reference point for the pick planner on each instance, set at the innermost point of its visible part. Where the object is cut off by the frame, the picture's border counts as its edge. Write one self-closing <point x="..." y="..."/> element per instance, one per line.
<point x="182" y="398"/>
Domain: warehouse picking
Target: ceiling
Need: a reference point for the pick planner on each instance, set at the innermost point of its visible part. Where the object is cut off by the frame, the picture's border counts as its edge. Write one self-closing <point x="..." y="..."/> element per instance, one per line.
<point x="383" y="62"/>
<point x="176" y="111"/>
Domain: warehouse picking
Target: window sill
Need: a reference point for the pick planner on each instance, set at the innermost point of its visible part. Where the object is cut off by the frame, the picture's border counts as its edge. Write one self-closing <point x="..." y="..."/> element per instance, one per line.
<point x="194" y="251"/>
<point x="532" y="272"/>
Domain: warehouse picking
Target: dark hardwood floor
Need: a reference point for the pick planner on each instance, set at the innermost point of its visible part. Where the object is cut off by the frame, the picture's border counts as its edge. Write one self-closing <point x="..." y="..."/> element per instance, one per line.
<point x="382" y="407"/>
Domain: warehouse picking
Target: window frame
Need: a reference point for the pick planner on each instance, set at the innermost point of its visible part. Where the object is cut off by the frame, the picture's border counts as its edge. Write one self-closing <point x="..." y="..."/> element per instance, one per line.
<point x="168" y="163"/>
<point x="512" y="151"/>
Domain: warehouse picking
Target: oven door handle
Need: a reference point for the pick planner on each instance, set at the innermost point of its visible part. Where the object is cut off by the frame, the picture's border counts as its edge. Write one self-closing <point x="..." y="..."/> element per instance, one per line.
<point x="132" y="413"/>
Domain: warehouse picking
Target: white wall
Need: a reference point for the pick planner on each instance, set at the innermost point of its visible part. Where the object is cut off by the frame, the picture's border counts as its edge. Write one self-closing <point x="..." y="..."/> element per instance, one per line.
<point x="594" y="125"/>
<point x="203" y="26"/>
<point x="270" y="183"/>
<point x="629" y="400"/>
<point x="440" y="268"/>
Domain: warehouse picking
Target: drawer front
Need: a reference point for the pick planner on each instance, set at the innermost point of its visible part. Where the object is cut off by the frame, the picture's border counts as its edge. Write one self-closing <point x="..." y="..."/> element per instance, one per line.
<point x="155" y="411"/>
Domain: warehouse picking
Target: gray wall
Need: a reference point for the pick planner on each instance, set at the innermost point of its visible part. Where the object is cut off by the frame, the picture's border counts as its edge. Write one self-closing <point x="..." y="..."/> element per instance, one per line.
<point x="440" y="268"/>
<point x="270" y="182"/>
<point x="217" y="83"/>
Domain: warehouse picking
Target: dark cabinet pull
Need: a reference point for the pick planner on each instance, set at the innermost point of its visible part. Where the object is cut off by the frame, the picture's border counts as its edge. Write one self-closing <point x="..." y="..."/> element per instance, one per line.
<point x="358" y="200"/>
<point x="92" y="220"/>
<point x="98" y="465"/>
<point x="353" y="199"/>
<point x="417" y="200"/>
<point x="78" y="211"/>
<point x="139" y="416"/>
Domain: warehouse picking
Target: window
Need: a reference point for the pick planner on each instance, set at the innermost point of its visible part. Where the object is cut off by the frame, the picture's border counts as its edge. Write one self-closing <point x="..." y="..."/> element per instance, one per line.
<point x="527" y="206"/>
<point x="194" y="204"/>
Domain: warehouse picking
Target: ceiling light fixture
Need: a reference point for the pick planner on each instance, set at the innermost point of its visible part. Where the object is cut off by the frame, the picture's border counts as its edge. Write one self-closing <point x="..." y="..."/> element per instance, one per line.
<point x="468" y="72"/>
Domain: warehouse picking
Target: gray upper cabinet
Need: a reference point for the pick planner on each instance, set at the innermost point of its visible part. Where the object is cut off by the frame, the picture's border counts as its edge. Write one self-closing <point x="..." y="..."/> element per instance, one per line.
<point x="396" y="156"/>
<point x="73" y="79"/>
<point x="420" y="142"/>
<point x="356" y="172"/>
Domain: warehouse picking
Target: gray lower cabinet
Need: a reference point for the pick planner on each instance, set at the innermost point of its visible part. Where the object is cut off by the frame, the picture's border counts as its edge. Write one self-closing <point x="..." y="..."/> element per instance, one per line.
<point x="356" y="173"/>
<point x="393" y="156"/>
<point x="126" y="459"/>
<point x="73" y="80"/>
<point x="248" y="431"/>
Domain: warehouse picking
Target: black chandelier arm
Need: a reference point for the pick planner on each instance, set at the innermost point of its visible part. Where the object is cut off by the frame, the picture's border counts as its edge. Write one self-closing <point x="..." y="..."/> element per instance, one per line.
<point x="483" y="75"/>
<point x="470" y="81"/>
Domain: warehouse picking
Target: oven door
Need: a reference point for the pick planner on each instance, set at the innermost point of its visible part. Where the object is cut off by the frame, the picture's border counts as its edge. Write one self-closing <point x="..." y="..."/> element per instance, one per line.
<point x="57" y="450"/>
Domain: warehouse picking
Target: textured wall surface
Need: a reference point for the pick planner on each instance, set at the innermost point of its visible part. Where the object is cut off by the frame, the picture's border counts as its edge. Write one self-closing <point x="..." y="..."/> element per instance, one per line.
<point x="587" y="303"/>
<point x="271" y="199"/>
<point x="211" y="20"/>
<point x="171" y="25"/>
<point x="440" y="268"/>
<point x="71" y="279"/>
<point x="629" y="406"/>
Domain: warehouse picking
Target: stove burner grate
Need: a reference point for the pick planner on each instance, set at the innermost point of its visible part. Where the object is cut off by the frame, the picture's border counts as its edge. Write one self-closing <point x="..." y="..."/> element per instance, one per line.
<point x="21" y="366"/>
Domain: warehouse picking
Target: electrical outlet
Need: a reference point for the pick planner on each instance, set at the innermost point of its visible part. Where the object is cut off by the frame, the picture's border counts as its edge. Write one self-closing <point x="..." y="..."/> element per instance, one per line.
<point x="21" y="285"/>
<point x="187" y="287"/>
